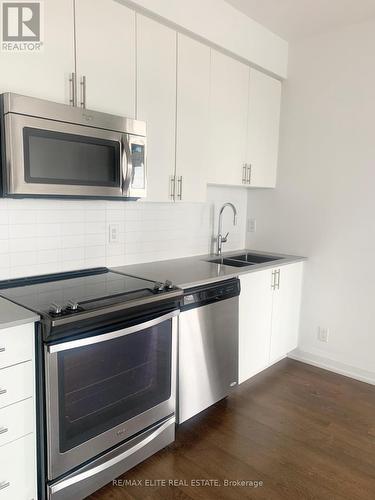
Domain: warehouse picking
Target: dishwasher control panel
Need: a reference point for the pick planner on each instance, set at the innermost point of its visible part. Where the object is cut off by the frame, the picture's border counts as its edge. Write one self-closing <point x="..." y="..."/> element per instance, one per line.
<point x="213" y="292"/>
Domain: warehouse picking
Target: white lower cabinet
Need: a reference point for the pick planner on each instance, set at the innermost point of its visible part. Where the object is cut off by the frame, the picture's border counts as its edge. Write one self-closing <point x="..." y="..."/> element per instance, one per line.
<point x="268" y="317"/>
<point x="16" y="345"/>
<point x="16" y="421"/>
<point x="255" y="323"/>
<point x="286" y="311"/>
<point x="18" y="469"/>
<point x="17" y="414"/>
<point x="16" y="383"/>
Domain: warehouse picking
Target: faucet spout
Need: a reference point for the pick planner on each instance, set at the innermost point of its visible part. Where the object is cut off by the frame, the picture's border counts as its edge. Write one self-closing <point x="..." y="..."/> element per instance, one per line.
<point x="220" y="239"/>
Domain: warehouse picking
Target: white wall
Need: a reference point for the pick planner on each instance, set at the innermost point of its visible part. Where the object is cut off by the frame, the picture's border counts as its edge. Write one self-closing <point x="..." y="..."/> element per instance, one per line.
<point x="221" y="24"/>
<point x="45" y="236"/>
<point x="324" y="206"/>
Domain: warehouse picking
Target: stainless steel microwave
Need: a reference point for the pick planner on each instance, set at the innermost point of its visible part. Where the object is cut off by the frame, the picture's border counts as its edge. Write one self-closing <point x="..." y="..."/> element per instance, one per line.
<point x="51" y="149"/>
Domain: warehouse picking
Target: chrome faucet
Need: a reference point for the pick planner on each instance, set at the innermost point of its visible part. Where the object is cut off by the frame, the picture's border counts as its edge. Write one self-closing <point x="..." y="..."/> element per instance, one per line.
<point x="220" y="238"/>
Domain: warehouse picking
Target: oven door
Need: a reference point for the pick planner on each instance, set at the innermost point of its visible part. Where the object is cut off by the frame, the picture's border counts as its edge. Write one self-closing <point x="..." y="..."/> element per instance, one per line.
<point x="104" y="389"/>
<point x="52" y="158"/>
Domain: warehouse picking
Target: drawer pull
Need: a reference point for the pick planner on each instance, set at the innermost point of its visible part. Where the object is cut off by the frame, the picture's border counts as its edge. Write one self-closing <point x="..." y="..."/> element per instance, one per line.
<point x="3" y="391"/>
<point x="3" y="430"/>
<point x="4" y="484"/>
<point x="2" y="349"/>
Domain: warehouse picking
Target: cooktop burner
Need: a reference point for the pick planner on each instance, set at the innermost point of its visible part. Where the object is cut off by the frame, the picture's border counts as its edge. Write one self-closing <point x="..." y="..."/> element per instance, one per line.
<point x="63" y="294"/>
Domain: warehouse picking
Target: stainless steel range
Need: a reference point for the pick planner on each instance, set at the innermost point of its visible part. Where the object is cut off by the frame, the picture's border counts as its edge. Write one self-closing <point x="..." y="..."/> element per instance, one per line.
<point x="107" y="374"/>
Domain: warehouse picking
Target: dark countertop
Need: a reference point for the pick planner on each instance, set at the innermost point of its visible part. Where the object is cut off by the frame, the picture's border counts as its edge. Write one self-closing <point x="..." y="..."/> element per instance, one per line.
<point x="192" y="271"/>
<point x="13" y="315"/>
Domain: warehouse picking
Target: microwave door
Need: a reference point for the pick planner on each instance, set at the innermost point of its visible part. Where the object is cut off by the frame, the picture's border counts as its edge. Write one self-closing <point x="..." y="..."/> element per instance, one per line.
<point x="52" y="158"/>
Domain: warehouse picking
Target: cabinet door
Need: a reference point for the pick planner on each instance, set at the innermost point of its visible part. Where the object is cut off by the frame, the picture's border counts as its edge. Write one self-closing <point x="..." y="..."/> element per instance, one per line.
<point x="263" y="128"/>
<point x="105" y="37"/>
<point x="193" y="88"/>
<point x="44" y="74"/>
<point x="255" y="323"/>
<point x="156" y="102"/>
<point x="18" y="469"/>
<point x="286" y="311"/>
<point x="228" y="119"/>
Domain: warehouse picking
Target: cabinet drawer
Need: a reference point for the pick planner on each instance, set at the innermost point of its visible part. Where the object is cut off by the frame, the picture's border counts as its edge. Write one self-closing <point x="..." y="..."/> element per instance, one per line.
<point x="18" y="471"/>
<point x="16" y="383"/>
<point x="16" y="344"/>
<point x="16" y="421"/>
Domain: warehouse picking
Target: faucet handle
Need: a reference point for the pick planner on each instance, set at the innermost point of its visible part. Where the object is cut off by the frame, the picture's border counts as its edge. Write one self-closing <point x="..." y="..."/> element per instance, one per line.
<point x="224" y="239"/>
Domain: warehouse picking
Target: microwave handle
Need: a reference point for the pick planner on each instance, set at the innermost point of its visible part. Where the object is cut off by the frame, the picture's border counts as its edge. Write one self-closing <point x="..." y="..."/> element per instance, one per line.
<point x="126" y="164"/>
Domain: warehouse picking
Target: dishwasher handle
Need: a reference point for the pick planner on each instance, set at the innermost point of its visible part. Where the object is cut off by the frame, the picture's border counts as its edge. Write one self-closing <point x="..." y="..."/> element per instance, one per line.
<point x="210" y="294"/>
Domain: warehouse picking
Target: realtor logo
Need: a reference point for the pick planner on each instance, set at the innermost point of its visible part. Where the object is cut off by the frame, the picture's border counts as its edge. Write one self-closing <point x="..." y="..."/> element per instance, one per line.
<point x="21" y="26"/>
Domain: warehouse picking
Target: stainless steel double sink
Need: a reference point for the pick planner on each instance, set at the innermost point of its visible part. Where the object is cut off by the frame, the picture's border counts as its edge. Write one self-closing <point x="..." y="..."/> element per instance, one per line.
<point x="243" y="260"/>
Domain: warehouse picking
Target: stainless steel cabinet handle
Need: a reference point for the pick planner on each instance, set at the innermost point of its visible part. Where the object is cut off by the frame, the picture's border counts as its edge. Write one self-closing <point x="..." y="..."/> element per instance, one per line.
<point x="3" y="430"/>
<point x="273" y="280"/>
<point x="3" y="391"/>
<point x="2" y="349"/>
<point x="73" y="89"/>
<point x="179" y="190"/>
<point x="172" y="187"/>
<point x="244" y="173"/>
<point x="83" y="92"/>
<point x="248" y="178"/>
<point x="278" y="279"/>
<point x="4" y="484"/>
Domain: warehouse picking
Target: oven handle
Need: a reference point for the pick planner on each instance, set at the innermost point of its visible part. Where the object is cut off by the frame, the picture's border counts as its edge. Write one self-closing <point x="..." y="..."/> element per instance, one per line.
<point x="73" y="344"/>
<point x="126" y="164"/>
<point x="83" y="476"/>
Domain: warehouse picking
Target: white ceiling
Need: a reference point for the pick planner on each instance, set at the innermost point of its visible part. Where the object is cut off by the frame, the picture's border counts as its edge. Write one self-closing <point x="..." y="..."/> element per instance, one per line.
<point x="296" y="19"/>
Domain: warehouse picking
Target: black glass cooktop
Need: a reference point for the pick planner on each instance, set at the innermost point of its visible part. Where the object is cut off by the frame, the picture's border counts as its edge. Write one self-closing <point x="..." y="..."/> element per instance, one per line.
<point x="76" y="291"/>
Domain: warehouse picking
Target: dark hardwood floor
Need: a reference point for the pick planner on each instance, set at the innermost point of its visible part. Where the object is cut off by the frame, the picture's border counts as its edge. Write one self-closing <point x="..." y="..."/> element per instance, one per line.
<point x="305" y="433"/>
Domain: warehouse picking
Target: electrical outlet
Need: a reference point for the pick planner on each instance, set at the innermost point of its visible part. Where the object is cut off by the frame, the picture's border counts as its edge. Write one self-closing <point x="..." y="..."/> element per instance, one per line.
<point x="114" y="233"/>
<point x="323" y="334"/>
<point x="251" y="225"/>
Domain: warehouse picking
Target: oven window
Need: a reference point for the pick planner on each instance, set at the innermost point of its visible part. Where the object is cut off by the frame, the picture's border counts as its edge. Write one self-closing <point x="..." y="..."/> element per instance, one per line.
<point x="105" y="384"/>
<point x="59" y="158"/>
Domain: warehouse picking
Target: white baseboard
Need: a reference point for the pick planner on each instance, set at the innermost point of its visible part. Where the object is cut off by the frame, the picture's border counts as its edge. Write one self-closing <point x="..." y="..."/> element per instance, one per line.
<point x="333" y="366"/>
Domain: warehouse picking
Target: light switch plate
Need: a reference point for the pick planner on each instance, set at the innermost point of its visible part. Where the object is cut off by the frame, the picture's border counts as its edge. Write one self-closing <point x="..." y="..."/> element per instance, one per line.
<point x="114" y="233"/>
<point x="251" y="225"/>
<point x="323" y="334"/>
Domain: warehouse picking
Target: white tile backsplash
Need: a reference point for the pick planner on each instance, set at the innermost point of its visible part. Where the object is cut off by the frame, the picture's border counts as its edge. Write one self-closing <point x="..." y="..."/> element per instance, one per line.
<point x="45" y="236"/>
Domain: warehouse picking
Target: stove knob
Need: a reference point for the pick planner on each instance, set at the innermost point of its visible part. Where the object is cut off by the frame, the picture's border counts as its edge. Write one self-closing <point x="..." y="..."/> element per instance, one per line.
<point x="158" y="287"/>
<point x="55" y="309"/>
<point x="168" y="285"/>
<point x="72" y="305"/>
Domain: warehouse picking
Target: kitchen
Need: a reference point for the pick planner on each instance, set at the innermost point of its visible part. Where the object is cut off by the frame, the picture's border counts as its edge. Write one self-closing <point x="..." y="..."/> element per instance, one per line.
<point x="178" y="204"/>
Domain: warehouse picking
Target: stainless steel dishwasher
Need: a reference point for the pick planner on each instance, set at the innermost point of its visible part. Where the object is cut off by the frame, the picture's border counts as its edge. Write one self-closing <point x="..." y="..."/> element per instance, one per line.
<point x="208" y="346"/>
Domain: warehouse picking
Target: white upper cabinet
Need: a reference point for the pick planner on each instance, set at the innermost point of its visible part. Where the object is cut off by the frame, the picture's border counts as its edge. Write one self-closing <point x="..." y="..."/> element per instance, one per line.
<point x="193" y="90"/>
<point x="228" y="119"/>
<point x="44" y="74"/>
<point x="105" y="44"/>
<point x="156" y="103"/>
<point x="263" y="129"/>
